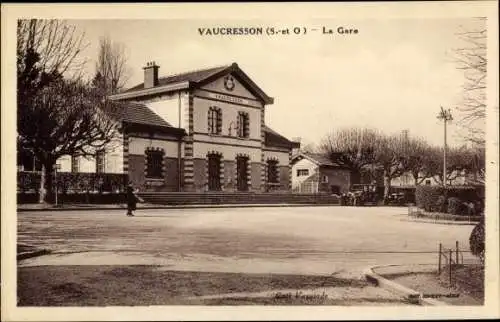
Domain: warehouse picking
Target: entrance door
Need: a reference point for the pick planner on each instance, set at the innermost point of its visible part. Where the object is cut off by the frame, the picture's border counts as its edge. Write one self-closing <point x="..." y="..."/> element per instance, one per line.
<point x="241" y="173"/>
<point x="214" y="172"/>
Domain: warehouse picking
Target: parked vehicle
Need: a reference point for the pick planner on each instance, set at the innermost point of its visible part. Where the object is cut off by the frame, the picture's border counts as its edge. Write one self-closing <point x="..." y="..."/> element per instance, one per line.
<point x="362" y="195"/>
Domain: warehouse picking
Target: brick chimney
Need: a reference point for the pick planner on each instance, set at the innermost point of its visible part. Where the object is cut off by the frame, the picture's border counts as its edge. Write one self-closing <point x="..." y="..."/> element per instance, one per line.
<point x="150" y="74"/>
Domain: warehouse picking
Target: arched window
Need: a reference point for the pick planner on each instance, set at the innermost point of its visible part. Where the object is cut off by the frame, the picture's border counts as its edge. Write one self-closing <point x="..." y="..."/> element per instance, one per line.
<point x="214" y="120"/>
<point x="272" y="171"/>
<point x="154" y="163"/>
<point x="243" y="125"/>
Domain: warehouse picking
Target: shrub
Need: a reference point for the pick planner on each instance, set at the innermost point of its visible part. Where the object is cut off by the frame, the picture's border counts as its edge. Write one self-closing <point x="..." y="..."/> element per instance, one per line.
<point x="477" y="240"/>
<point x="428" y="197"/>
<point x="456" y="206"/>
<point x="441" y="204"/>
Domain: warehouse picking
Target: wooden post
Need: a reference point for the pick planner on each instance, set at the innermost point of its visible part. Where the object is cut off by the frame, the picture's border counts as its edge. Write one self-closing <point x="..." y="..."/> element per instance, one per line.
<point x="456" y="260"/>
<point x="450" y="264"/>
<point x="439" y="260"/>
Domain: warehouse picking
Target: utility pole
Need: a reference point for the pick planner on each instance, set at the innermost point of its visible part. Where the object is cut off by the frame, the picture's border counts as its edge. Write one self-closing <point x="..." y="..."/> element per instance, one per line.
<point x="444" y="115"/>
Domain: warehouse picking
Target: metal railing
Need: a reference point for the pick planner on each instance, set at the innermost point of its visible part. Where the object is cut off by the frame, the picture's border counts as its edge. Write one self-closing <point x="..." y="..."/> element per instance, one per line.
<point x="451" y="258"/>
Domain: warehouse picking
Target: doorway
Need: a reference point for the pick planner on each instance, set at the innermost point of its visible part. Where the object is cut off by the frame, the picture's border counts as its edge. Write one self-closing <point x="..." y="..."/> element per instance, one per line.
<point x="241" y="173"/>
<point x="214" y="183"/>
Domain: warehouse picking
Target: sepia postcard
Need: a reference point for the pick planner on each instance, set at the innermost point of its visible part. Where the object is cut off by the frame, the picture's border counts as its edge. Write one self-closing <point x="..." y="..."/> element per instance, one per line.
<point x="250" y="161"/>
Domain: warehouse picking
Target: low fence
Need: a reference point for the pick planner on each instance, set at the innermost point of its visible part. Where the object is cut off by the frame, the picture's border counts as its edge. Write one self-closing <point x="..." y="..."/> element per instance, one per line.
<point x="449" y="260"/>
<point x="416" y="213"/>
<point x="69" y="182"/>
<point x="91" y="188"/>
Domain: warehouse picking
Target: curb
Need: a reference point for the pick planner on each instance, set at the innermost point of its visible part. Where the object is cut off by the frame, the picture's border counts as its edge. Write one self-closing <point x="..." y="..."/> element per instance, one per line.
<point x="411" y="295"/>
<point x="175" y="207"/>
<point x="35" y="253"/>
<point x="443" y="222"/>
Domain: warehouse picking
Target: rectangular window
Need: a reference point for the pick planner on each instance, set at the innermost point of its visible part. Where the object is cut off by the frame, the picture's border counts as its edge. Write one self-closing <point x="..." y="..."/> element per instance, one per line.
<point x="214" y="120"/>
<point x="154" y="164"/>
<point x="243" y="125"/>
<point x="75" y="164"/>
<point x="99" y="161"/>
<point x="324" y="179"/>
<point x="302" y="172"/>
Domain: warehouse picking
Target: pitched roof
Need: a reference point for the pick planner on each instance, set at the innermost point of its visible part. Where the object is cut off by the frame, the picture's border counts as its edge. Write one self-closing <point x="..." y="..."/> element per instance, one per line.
<point x="140" y="114"/>
<point x="318" y="158"/>
<point x="274" y="139"/>
<point x="196" y="78"/>
<point x="192" y="76"/>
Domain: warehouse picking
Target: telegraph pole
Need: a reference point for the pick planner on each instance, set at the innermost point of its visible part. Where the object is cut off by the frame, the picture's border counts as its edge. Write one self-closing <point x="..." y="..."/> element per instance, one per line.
<point x="444" y="115"/>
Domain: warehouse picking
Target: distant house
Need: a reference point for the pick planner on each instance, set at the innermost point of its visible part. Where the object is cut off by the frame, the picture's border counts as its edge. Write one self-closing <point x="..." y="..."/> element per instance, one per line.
<point x="316" y="173"/>
<point x="406" y="179"/>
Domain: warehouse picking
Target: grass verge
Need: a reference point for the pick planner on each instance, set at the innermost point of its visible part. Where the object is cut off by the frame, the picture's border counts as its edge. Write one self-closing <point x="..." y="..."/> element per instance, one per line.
<point x="147" y="285"/>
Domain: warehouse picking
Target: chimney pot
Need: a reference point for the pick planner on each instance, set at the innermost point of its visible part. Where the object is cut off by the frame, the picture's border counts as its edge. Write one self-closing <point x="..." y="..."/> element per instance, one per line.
<point x="150" y="74"/>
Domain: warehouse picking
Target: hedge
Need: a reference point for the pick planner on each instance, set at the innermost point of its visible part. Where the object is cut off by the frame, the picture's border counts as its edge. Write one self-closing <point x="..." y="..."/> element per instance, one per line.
<point x="437" y="198"/>
<point x="68" y="182"/>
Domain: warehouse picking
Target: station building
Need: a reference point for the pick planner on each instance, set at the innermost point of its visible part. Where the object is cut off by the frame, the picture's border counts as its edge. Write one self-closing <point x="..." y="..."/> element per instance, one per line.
<point x="197" y="131"/>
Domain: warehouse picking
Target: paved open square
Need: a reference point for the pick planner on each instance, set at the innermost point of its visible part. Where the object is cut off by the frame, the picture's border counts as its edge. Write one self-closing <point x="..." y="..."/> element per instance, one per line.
<point x="287" y="240"/>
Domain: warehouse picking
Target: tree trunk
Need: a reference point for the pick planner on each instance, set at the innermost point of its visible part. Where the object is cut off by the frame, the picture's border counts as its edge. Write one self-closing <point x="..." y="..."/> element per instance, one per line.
<point x="42" y="193"/>
<point x="46" y="180"/>
<point x="387" y="185"/>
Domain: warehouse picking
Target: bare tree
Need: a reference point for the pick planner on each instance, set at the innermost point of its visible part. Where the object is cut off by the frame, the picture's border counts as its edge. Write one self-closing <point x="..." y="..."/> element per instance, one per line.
<point x="472" y="59"/>
<point x="418" y="158"/>
<point x="111" y="66"/>
<point x="460" y="160"/>
<point x="55" y="115"/>
<point x="57" y="43"/>
<point x="351" y="147"/>
<point x="66" y="117"/>
<point x="389" y="154"/>
<point x="309" y="148"/>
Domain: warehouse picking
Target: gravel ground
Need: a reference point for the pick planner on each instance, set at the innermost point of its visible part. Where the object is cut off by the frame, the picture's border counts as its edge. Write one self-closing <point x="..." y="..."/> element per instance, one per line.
<point x="303" y="241"/>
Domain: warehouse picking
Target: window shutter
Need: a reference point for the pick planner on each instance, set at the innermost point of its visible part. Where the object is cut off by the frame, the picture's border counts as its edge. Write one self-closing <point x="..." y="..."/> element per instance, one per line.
<point x="209" y="120"/>
<point x="219" y="121"/>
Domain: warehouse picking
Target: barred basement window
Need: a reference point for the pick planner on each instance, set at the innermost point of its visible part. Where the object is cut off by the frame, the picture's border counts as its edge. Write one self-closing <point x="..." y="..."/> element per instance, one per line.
<point x="99" y="161"/>
<point x="272" y="171"/>
<point x="75" y="164"/>
<point x="154" y="164"/>
<point x="214" y="120"/>
<point x="243" y="125"/>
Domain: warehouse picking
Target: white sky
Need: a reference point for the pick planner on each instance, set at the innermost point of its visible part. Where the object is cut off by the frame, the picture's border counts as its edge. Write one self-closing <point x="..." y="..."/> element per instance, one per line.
<point x="392" y="75"/>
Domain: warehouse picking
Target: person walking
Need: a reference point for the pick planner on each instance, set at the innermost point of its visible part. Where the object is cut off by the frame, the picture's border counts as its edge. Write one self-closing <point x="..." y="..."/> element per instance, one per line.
<point x="131" y="200"/>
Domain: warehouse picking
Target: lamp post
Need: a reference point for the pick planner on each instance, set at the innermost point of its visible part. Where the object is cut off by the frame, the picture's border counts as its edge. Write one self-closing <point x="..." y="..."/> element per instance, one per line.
<point x="444" y="115"/>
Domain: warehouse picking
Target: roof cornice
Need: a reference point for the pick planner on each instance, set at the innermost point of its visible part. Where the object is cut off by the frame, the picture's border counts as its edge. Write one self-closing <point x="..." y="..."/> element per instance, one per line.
<point x="150" y="91"/>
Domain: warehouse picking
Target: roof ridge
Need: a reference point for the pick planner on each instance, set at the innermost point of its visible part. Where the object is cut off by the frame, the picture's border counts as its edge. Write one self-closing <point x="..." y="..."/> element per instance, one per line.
<point x="194" y="71"/>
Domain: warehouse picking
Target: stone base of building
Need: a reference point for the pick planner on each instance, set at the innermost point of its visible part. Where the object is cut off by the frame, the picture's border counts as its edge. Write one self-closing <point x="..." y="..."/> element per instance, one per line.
<point x="227" y="178"/>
